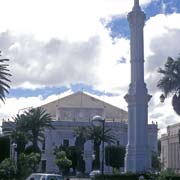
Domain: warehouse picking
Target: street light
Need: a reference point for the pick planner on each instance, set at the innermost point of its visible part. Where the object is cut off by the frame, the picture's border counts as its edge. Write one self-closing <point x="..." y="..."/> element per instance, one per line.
<point x="99" y="121"/>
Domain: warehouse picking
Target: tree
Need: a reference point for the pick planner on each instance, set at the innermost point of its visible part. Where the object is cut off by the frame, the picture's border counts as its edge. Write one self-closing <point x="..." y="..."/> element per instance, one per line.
<point x="114" y="156"/>
<point x="20" y="140"/>
<point x="4" y="148"/>
<point x="159" y="147"/>
<point x="19" y="137"/>
<point x="37" y="119"/>
<point x="19" y="134"/>
<point x="4" y="74"/>
<point x="72" y="153"/>
<point x="29" y="163"/>
<point x="96" y="134"/>
<point x="62" y="161"/>
<point x="81" y="136"/>
<point x="156" y="164"/>
<point x="7" y="169"/>
<point x="170" y="82"/>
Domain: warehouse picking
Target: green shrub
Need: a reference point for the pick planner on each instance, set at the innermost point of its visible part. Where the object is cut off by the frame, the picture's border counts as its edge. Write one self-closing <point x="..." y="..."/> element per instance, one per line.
<point x="7" y="169"/>
<point x="28" y="163"/>
<point x="164" y="175"/>
<point x="127" y="176"/>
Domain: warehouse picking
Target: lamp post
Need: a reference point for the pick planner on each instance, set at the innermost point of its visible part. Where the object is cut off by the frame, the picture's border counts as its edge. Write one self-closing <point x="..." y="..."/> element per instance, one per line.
<point x="99" y="121"/>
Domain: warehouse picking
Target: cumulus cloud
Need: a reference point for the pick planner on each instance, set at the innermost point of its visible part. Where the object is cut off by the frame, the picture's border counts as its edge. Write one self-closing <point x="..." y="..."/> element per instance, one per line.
<point x="160" y="42"/>
<point x="58" y="62"/>
<point x="74" y="20"/>
<point x="14" y="105"/>
<point x="68" y="45"/>
<point x="161" y="35"/>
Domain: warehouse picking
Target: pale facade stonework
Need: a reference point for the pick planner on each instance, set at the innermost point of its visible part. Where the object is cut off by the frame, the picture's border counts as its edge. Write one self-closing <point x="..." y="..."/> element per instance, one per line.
<point x="65" y="131"/>
<point x="170" y="148"/>
<point x="77" y="110"/>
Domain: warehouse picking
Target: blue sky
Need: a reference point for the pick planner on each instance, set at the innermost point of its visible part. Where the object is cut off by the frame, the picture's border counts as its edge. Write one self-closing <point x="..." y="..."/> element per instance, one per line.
<point x="119" y="25"/>
<point x="66" y="46"/>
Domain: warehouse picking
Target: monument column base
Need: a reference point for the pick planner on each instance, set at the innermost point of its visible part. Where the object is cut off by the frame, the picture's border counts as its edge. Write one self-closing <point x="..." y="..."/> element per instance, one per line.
<point x="136" y="162"/>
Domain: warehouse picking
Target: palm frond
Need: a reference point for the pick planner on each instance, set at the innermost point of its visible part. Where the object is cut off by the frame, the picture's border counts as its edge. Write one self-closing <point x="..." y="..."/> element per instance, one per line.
<point x="176" y="103"/>
<point x="170" y="82"/>
<point x="4" y="87"/>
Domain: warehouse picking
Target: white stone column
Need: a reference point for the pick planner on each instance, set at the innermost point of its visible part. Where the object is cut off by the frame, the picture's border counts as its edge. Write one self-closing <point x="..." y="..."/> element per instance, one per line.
<point x="137" y="157"/>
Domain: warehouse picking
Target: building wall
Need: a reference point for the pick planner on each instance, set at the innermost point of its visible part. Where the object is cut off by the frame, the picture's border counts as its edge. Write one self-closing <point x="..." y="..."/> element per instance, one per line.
<point x="65" y="130"/>
<point x="170" y="148"/>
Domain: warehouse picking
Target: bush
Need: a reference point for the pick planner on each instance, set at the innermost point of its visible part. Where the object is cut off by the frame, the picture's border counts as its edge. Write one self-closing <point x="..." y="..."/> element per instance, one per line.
<point x="164" y="175"/>
<point x="117" y="177"/>
<point x="62" y="162"/>
<point x="28" y="163"/>
<point x="127" y="176"/>
<point x="7" y="169"/>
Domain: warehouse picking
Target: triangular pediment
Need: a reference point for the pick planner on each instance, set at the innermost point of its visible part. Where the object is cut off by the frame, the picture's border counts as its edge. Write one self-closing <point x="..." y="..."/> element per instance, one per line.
<point x="81" y="100"/>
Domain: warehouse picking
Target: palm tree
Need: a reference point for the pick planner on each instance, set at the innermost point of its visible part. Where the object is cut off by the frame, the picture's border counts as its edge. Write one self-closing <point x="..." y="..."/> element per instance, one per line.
<point x="81" y="135"/>
<point x="20" y="133"/>
<point x="19" y="136"/>
<point x="170" y="82"/>
<point x="37" y="120"/>
<point x="96" y="135"/>
<point x="4" y="74"/>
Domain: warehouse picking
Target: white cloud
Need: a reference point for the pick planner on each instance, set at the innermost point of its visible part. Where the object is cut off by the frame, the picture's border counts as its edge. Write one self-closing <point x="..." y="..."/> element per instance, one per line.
<point x="36" y="64"/>
<point x="69" y="19"/>
<point x="162" y="34"/>
<point x="57" y="62"/>
<point x="63" y="43"/>
<point x="13" y="106"/>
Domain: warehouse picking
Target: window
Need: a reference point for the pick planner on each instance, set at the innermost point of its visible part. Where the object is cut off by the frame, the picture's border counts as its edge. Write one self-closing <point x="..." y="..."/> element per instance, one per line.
<point x="66" y="142"/>
<point x="118" y="143"/>
<point x="43" y="145"/>
<point x="43" y="166"/>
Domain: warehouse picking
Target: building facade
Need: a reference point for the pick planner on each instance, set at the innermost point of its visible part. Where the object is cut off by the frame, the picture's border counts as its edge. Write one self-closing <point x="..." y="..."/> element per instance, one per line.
<point x="170" y="148"/>
<point x="77" y="110"/>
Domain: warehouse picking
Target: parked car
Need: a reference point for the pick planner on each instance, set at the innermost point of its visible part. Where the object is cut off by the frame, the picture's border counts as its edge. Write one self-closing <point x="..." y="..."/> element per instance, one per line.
<point x="94" y="173"/>
<point x="44" y="176"/>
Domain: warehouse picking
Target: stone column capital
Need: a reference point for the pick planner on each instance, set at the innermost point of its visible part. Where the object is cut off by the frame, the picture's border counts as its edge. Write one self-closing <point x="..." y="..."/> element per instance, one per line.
<point x="134" y="98"/>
